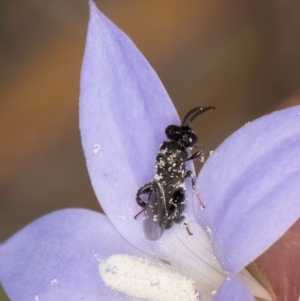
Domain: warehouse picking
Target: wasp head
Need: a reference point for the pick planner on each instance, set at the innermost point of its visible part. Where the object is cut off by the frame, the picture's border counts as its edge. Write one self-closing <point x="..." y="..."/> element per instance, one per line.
<point x="183" y="134"/>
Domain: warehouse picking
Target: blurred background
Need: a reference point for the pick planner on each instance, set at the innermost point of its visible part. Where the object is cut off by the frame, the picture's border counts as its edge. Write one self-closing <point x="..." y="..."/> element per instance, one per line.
<point x="241" y="56"/>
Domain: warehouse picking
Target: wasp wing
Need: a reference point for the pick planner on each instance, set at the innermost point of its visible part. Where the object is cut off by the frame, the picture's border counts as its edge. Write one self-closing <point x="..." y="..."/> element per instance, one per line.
<point x="155" y="212"/>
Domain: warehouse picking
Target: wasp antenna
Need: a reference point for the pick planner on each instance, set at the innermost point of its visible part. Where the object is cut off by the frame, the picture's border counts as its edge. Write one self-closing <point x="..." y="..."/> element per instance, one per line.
<point x="192" y="114"/>
<point x="188" y="115"/>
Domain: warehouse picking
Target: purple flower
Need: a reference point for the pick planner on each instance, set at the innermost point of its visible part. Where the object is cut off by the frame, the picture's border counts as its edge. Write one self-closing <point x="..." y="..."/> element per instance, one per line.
<point x="249" y="185"/>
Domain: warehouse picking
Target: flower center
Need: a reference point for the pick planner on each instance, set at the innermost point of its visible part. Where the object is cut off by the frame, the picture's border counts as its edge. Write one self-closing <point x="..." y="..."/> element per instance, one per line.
<point x="138" y="277"/>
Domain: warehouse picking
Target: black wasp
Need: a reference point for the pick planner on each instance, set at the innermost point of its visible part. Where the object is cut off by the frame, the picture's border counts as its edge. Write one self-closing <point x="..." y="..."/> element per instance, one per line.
<point x="166" y="200"/>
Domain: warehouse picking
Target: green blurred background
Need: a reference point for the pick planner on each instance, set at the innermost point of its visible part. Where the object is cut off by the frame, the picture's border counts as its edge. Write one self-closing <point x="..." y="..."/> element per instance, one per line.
<point x="241" y="56"/>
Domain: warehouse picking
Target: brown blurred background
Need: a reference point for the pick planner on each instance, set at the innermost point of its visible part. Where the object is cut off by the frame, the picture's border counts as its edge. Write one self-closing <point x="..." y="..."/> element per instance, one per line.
<point x="241" y="56"/>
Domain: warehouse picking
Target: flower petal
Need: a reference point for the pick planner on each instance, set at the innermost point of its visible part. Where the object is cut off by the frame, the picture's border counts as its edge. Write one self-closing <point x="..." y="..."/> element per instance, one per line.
<point x="56" y="257"/>
<point x="124" y="110"/>
<point x="232" y="289"/>
<point x="251" y="188"/>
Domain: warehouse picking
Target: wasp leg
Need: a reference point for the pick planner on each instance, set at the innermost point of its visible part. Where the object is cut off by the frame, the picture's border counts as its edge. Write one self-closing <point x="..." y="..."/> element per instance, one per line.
<point x="175" y="209"/>
<point x="196" y="155"/>
<point x="192" y="176"/>
<point x="146" y="189"/>
<point x="179" y="202"/>
<point x="139" y="213"/>
<point x="187" y="229"/>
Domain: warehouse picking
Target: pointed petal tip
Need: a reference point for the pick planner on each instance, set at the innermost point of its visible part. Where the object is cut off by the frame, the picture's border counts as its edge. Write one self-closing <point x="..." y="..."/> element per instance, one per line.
<point x="93" y="9"/>
<point x="92" y="5"/>
<point x="96" y="14"/>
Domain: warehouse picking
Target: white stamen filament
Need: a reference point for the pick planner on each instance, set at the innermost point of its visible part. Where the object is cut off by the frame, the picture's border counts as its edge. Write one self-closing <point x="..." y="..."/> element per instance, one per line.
<point x="138" y="277"/>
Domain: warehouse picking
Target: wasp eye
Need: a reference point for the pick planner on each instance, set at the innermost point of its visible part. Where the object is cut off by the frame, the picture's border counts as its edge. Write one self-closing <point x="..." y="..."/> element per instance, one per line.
<point x="173" y="131"/>
<point x="191" y="140"/>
